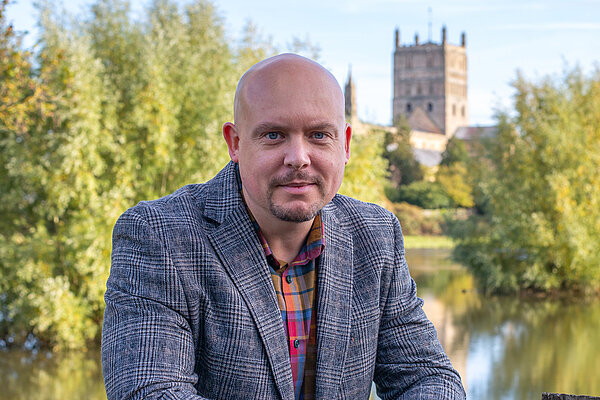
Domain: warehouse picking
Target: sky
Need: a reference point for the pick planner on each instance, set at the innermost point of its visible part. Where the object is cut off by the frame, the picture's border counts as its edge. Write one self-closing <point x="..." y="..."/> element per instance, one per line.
<point x="538" y="38"/>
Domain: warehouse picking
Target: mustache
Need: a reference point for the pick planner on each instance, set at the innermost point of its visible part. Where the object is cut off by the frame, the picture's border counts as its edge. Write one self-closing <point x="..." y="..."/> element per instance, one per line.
<point x="294" y="176"/>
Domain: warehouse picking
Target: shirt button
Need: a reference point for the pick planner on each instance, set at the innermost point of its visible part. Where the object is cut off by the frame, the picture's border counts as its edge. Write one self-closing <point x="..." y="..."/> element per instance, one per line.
<point x="288" y="279"/>
<point x="296" y="343"/>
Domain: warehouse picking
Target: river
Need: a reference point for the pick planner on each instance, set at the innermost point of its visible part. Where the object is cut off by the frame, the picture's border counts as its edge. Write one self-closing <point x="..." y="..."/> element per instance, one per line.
<point x="504" y="348"/>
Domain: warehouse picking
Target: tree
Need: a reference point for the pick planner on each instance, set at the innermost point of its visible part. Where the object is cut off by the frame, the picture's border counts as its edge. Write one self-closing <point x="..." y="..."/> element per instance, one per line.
<point x="403" y="166"/>
<point x="54" y="255"/>
<point x="539" y="176"/>
<point x="31" y="245"/>
<point x="253" y="48"/>
<point x="114" y="112"/>
<point x="455" y="152"/>
<point x="424" y="194"/>
<point x="455" y="181"/>
<point x="365" y="174"/>
<point x="453" y="173"/>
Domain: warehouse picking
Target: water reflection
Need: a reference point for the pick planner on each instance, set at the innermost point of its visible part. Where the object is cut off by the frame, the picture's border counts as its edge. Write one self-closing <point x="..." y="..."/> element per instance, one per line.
<point x="509" y="348"/>
<point x="41" y="376"/>
<point x="504" y="348"/>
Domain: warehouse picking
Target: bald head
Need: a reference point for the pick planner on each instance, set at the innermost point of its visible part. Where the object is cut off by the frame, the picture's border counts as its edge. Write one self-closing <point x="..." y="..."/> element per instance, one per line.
<point x="288" y="73"/>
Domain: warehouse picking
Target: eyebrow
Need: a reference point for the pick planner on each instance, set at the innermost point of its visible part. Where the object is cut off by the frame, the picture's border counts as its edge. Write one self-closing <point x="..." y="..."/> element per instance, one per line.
<point x="325" y="126"/>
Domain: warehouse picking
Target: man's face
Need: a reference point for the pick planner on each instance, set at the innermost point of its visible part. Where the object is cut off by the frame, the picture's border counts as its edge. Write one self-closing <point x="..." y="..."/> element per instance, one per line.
<point x="290" y="140"/>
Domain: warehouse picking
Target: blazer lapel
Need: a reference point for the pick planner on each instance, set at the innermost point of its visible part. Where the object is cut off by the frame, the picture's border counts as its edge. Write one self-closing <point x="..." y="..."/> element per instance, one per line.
<point x="334" y="297"/>
<point x="239" y="249"/>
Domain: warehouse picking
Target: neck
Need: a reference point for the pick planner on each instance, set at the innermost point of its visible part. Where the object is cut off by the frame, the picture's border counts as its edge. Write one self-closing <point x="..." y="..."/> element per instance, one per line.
<point x="285" y="238"/>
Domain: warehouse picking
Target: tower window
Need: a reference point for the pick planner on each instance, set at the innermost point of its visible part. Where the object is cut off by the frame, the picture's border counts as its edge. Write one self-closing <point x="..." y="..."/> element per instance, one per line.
<point x="462" y="111"/>
<point x="408" y="107"/>
<point x="429" y="107"/>
<point x="453" y="109"/>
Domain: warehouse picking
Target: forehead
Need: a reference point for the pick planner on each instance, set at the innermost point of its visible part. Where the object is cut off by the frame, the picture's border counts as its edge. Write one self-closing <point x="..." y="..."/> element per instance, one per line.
<point x="289" y="86"/>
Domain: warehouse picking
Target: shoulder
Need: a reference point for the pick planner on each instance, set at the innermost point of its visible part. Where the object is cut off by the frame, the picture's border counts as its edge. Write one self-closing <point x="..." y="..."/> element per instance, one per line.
<point x="213" y="200"/>
<point x="365" y="219"/>
<point x="179" y="203"/>
<point x="164" y="216"/>
<point x="359" y="212"/>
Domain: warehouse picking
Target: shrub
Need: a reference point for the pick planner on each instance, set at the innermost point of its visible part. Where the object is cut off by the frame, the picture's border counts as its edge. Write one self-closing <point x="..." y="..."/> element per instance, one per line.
<point x="423" y="194"/>
<point x="416" y="221"/>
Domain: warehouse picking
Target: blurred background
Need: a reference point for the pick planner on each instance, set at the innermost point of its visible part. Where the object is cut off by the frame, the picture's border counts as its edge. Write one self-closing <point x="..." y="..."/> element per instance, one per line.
<point x="476" y="123"/>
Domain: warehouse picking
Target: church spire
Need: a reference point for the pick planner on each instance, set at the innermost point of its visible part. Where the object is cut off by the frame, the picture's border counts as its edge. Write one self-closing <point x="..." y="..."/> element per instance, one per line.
<point x="350" y="97"/>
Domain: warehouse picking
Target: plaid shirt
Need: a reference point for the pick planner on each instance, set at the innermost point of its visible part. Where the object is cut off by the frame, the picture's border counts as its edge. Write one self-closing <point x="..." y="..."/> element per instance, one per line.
<point x="295" y="288"/>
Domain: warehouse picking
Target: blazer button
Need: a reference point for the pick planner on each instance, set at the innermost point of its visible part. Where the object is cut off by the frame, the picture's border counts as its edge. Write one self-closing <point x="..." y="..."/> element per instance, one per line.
<point x="296" y="343"/>
<point x="288" y="279"/>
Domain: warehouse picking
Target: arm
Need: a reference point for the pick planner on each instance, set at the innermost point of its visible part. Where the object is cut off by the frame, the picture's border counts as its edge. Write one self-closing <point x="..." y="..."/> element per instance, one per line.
<point x="147" y="346"/>
<point x="411" y="363"/>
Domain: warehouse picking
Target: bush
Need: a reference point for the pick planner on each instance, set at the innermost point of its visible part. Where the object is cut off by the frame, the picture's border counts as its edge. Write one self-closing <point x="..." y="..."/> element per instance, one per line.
<point x="416" y="221"/>
<point x="540" y="221"/>
<point x="365" y="174"/>
<point x="424" y="194"/>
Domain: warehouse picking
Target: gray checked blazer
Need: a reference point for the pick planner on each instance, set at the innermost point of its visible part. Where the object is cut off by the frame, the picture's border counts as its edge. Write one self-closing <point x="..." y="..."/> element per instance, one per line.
<point x="191" y="312"/>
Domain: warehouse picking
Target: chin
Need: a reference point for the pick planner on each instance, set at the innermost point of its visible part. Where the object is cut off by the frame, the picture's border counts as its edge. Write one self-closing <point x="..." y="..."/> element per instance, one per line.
<point x="295" y="214"/>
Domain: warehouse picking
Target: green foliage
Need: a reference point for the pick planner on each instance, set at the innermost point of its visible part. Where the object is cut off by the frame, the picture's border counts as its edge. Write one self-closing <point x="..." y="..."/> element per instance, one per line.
<point x="254" y="47"/>
<point x="417" y="221"/>
<point x="541" y="189"/>
<point x="115" y="111"/>
<point x="455" y="182"/>
<point x="424" y="194"/>
<point x="404" y="168"/>
<point x="365" y="174"/>
<point x="455" y="152"/>
<point x="453" y="173"/>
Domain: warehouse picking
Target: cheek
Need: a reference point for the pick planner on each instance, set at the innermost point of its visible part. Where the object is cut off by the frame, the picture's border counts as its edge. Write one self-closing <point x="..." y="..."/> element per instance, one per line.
<point x="332" y="169"/>
<point x="255" y="172"/>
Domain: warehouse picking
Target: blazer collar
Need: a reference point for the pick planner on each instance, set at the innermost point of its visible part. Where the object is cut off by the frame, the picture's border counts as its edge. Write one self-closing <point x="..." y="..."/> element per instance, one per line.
<point x="334" y="303"/>
<point x="240" y="252"/>
<point x="222" y="195"/>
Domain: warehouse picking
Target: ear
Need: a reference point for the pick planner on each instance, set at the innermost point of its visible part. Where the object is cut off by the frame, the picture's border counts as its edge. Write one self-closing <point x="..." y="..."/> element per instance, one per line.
<point x="232" y="138"/>
<point x="347" y="137"/>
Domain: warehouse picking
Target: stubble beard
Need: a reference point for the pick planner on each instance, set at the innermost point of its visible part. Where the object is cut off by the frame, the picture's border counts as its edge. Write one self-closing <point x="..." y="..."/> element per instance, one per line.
<point x="297" y="214"/>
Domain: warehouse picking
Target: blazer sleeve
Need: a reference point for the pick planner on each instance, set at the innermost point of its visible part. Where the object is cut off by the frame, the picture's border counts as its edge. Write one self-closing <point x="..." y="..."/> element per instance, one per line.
<point x="147" y="346"/>
<point x="411" y="363"/>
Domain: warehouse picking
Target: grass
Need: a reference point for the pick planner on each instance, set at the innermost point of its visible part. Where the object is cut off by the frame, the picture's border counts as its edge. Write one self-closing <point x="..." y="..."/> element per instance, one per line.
<point x="428" y="242"/>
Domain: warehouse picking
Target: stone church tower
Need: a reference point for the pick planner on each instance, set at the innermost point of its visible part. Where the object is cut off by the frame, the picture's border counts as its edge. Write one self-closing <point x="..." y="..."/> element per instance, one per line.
<point x="430" y="85"/>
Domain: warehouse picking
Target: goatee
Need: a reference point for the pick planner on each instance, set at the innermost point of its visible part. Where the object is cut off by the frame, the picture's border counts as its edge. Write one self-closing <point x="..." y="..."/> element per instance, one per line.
<point x="295" y="214"/>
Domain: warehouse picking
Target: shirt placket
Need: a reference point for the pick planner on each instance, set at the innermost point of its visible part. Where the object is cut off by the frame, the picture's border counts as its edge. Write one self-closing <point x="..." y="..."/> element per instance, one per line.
<point x="291" y="321"/>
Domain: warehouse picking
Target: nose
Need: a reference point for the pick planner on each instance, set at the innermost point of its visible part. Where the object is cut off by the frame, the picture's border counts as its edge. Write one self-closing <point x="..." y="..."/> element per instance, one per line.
<point x="297" y="154"/>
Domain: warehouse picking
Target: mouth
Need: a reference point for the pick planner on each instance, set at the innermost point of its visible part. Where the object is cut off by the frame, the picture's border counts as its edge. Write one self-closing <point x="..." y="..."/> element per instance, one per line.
<point x="297" y="184"/>
<point x="297" y="187"/>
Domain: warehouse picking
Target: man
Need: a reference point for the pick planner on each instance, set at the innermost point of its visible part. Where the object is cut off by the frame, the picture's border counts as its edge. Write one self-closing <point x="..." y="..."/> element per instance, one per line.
<point x="263" y="283"/>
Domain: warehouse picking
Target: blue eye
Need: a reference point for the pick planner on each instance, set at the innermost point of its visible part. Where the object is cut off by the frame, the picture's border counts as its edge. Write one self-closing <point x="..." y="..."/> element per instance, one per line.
<point x="273" y="135"/>
<point x="318" y="135"/>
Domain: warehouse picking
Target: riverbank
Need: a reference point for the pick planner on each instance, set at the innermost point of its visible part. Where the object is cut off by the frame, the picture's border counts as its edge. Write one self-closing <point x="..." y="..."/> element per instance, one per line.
<point x="427" y="242"/>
